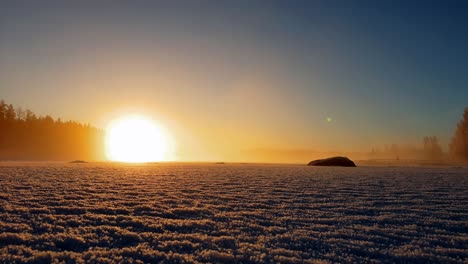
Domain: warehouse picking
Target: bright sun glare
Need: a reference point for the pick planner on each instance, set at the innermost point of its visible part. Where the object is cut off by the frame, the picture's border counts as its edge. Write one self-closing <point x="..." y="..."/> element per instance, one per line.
<point x="136" y="139"/>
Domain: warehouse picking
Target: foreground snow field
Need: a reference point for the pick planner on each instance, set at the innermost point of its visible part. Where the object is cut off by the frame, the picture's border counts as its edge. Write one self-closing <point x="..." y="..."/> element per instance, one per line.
<point x="232" y="213"/>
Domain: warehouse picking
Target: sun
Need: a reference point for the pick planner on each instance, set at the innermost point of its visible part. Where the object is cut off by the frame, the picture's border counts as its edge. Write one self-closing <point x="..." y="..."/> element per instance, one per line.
<point x="137" y="139"/>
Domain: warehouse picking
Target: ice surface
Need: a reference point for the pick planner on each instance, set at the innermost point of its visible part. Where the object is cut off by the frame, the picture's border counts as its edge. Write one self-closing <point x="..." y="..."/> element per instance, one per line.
<point x="232" y="213"/>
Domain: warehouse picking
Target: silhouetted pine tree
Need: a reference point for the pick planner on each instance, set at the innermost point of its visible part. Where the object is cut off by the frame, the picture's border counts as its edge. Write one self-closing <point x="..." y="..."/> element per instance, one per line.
<point x="459" y="144"/>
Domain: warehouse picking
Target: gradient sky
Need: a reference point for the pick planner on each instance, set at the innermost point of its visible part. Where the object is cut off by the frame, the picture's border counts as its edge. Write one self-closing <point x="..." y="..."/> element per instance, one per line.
<point x="226" y="77"/>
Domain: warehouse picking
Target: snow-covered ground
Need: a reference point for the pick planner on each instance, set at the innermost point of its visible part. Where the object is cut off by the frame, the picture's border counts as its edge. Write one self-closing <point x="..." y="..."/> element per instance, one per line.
<point x="232" y="213"/>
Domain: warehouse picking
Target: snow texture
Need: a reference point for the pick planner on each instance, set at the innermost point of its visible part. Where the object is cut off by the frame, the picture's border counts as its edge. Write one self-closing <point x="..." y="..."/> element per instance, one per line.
<point x="232" y="214"/>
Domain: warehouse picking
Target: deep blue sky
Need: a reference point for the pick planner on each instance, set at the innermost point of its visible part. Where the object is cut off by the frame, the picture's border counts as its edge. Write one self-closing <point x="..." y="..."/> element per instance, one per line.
<point x="383" y="71"/>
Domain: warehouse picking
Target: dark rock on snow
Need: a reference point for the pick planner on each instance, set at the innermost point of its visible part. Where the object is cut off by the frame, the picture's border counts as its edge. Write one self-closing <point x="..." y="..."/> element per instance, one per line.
<point x="333" y="161"/>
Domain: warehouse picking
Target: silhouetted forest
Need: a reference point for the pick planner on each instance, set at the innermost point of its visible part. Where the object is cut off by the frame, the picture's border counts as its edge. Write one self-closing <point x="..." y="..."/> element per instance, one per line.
<point x="459" y="143"/>
<point x="429" y="150"/>
<point x="25" y="136"/>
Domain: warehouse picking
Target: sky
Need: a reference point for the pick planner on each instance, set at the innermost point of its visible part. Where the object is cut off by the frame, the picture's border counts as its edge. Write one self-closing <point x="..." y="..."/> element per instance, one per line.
<point x="229" y="78"/>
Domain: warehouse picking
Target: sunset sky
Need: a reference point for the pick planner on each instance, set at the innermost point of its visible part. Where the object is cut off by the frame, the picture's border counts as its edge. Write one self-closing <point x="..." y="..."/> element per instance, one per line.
<point x="226" y="78"/>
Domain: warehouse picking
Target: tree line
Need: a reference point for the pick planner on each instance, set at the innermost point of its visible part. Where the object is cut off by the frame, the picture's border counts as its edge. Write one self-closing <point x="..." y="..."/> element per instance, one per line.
<point x="459" y="143"/>
<point x="25" y="136"/>
<point x="430" y="149"/>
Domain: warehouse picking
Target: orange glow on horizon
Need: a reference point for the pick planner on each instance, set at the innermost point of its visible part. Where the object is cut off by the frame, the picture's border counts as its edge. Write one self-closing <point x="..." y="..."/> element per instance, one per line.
<point x="137" y="139"/>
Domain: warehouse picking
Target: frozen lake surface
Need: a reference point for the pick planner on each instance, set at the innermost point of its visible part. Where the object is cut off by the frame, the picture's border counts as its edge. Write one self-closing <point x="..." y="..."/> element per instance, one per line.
<point x="232" y="213"/>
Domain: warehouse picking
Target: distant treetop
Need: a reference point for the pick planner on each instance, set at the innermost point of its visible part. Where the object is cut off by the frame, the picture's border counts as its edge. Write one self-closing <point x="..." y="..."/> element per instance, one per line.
<point x="459" y="143"/>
